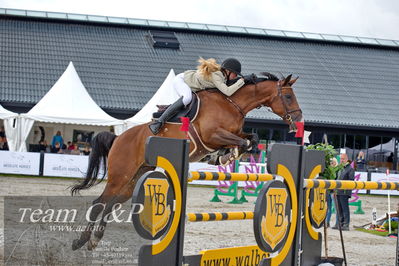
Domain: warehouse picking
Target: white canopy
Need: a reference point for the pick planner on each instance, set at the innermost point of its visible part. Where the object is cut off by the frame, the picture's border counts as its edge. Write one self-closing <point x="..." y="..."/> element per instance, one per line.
<point x="165" y="95"/>
<point x="10" y="127"/>
<point x="67" y="102"/>
<point x="5" y="114"/>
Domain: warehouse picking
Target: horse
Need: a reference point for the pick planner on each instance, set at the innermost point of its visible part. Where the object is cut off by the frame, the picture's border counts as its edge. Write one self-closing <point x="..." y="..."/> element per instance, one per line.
<point x="219" y="124"/>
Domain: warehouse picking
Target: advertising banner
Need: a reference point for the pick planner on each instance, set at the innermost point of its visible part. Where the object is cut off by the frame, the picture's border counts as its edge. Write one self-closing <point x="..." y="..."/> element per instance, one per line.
<point x="25" y="163"/>
<point x="65" y="165"/>
<point x="383" y="177"/>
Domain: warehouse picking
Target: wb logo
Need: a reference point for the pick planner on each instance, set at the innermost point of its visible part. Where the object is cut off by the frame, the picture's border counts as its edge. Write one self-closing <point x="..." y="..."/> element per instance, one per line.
<point x="321" y="198"/>
<point x="277" y="209"/>
<point x="157" y="212"/>
<point x="157" y="197"/>
<point x="275" y="221"/>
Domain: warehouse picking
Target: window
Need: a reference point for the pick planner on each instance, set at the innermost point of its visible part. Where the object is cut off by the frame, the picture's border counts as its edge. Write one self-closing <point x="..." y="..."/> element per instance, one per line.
<point x="164" y="39"/>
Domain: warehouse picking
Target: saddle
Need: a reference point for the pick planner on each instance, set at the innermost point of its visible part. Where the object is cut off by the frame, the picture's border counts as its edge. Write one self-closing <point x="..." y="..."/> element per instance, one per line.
<point x="190" y="111"/>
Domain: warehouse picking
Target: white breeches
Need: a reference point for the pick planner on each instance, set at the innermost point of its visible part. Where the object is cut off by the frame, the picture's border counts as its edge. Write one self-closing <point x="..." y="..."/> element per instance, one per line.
<point x="182" y="88"/>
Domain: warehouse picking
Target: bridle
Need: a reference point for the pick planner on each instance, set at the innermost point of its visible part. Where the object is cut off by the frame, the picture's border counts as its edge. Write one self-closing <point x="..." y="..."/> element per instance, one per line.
<point x="287" y="116"/>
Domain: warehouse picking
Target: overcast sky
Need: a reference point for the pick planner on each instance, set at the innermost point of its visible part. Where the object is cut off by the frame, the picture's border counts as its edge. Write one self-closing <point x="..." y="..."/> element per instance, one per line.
<point x="363" y="18"/>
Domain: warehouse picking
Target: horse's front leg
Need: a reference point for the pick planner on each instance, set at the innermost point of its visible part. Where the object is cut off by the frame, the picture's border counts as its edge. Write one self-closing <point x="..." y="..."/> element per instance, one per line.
<point x="225" y="138"/>
<point x="252" y="140"/>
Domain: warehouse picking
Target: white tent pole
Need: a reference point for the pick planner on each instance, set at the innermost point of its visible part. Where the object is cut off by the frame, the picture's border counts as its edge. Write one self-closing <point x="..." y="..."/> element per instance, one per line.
<point x="25" y="127"/>
<point x="12" y="133"/>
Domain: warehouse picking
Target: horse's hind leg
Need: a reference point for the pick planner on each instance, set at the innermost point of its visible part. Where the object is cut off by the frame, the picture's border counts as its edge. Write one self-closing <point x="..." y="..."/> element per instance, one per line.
<point x="107" y="215"/>
<point x="97" y="208"/>
<point x="116" y="194"/>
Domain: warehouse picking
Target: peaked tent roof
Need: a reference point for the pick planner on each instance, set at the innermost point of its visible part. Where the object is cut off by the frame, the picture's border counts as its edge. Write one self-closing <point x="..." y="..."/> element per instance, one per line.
<point x="6" y="114"/>
<point x="69" y="102"/>
<point x="164" y="95"/>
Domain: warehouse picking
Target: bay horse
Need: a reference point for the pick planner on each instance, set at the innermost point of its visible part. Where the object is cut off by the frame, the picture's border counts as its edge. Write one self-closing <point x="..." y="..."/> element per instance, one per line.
<point x="219" y="124"/>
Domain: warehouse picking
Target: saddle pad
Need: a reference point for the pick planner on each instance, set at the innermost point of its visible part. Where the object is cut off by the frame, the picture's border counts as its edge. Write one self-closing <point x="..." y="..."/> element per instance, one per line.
<point x="190" y="111"/>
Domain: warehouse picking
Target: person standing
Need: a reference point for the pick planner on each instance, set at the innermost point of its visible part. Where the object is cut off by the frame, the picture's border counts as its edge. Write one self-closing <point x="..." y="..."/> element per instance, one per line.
<point x="57" y="138"/>
<point x="360" y="162"/>
<point x="331" y="174"/>
<point x="342" y="210"/>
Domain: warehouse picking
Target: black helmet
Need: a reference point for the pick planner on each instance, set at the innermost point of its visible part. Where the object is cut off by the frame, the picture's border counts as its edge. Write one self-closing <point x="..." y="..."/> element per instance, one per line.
<point x="233" y="65"/>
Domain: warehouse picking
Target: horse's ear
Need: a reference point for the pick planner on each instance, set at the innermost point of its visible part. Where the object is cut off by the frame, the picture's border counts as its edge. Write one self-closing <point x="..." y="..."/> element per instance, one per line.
<point x="287" y="79"/>
<point x="292" y="81"/>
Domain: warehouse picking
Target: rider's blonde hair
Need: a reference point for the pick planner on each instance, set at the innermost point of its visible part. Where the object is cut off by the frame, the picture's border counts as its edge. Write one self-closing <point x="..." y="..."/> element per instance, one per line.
<point x="207" y="67"/>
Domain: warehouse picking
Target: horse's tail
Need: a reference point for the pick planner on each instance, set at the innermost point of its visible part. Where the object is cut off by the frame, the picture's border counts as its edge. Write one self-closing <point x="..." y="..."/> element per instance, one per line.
<point x="100" y="146"/>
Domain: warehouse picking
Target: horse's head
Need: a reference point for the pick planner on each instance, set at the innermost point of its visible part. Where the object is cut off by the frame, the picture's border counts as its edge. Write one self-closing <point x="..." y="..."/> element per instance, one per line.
<point x="284" y="103"/>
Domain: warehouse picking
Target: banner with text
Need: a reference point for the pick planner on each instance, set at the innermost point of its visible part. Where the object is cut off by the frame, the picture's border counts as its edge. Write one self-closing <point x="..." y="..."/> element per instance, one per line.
<point x="25" y="163"/>
<point x="65" y="165"/>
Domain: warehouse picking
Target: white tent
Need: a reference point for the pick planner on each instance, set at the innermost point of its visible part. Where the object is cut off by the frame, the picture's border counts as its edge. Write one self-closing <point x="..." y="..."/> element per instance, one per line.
<point x="388" y="147"/>
<point x="67" y="102"/>
<point x="165" y="95"/>
<point x="10" y="127"/>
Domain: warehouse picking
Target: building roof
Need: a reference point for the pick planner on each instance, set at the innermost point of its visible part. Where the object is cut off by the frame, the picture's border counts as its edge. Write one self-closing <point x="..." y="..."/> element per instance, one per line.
<point x="341" y="82"/>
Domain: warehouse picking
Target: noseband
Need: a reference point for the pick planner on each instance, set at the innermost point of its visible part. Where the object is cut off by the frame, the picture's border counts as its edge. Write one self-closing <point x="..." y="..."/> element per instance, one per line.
<point x="287" y="116"/>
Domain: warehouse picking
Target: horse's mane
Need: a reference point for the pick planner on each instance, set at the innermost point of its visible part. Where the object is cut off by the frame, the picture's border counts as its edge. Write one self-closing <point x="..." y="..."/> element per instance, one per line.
<point x="268" y="76"/>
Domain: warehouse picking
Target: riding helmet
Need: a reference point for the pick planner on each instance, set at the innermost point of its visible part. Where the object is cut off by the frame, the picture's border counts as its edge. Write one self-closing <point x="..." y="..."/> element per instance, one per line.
<point x="233" y="65"/>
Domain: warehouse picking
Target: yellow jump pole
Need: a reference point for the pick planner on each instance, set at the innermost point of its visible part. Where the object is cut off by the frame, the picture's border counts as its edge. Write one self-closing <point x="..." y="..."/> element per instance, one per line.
<point x="350" y="185"/>
<point x="220" y="176"/>
<point x="219" y="216"/>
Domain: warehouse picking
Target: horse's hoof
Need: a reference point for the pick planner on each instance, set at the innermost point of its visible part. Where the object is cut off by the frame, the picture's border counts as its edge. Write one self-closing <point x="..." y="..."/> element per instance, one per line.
<point x="236" y="153"/>
<point x="249" y="145"/>
<point x="93" y="243"/>
<point x="77" y="244"/>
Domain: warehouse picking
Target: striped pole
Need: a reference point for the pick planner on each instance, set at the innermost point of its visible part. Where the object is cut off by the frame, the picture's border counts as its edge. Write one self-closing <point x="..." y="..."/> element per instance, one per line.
<point x="220" y="176"/>
<point x="219" y="216"/>
<point x="350" y="185"/>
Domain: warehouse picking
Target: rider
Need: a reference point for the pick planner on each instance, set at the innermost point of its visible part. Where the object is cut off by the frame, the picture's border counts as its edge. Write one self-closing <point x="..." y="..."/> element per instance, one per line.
<point x="208" y="75"/>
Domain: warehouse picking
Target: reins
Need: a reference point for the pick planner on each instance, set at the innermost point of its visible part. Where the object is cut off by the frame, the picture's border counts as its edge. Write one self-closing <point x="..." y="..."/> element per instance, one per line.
<point x="236" y="106"/>
<point x="287" y="116"/>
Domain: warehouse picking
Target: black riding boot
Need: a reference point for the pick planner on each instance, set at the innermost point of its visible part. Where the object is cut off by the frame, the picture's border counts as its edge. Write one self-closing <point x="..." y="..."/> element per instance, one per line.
<point x="171" y="111"/>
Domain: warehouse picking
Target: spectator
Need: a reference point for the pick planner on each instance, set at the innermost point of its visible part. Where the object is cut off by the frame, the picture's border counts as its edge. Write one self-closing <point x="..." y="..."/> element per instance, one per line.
<point x="332" y="170"/>
<point x="360" y="162"/>
<point x="2" y="132"/>
<point x="86" y="150"/>
<point x="390" y="158"/>
<point x="56" y="148"/>
<point x="343" y="214"/>
<point x="75" y="150"/>
<point x="57" y="138"/>
<point x="64" y="149"/>
<point x="70" y="146"/>
<point x="36" y="137"/>
<point x="43" y="146"/>
<point x="3" y="140"/>
<point x="3" y="144"/>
